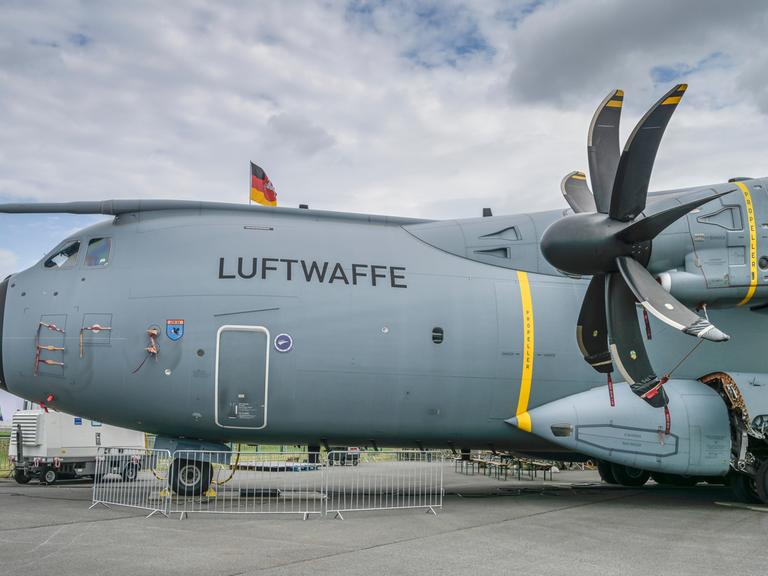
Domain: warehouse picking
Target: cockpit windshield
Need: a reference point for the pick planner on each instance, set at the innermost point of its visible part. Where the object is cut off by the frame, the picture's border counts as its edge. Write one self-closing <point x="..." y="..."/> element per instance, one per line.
<point x="98" y="252"/>
<point x="65" y="257"/>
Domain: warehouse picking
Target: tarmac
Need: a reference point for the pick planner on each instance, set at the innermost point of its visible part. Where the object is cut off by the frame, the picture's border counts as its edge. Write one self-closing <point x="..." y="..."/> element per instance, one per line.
<point x="572" y="525"/>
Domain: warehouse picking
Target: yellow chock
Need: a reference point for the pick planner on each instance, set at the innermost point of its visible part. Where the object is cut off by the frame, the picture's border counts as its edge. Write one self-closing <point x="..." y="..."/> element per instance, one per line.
<point x="210" y="493"/>
<point x="164" y="493"/>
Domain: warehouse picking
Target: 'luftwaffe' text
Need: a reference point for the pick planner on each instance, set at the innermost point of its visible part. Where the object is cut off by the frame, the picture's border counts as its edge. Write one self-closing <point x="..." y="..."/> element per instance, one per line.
<point x="312" y="271"/>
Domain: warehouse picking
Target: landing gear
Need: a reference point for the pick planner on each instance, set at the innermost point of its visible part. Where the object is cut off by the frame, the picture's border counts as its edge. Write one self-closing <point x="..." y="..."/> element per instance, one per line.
<point x="761" y="482"/>
<point x="674" y="479"/>
<point x="189" y="477"/>
<point x="628" y="476"/>
<point x="743" y="487"/>
<point x="606" y="472"/>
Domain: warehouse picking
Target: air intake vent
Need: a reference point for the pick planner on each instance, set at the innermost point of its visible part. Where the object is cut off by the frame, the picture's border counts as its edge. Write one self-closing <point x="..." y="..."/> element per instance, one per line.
<point x="495" y="252"/>
<point x="28" y="423"/>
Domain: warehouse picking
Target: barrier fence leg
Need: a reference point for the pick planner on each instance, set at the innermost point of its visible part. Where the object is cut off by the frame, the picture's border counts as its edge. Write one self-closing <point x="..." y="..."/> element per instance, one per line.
<point x="97" y="503"/>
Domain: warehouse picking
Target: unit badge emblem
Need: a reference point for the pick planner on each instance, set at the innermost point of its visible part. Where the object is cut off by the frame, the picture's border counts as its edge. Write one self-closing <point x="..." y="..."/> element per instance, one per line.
<point x="174" y="329"/>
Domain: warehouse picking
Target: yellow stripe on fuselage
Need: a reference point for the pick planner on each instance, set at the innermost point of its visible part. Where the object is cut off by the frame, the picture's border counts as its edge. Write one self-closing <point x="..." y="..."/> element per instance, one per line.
<point x="523" y="418"/>
<point x="752" y="243"/>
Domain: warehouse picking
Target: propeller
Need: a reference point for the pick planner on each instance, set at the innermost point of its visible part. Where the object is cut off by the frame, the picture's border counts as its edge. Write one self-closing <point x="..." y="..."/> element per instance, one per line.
<point x="603" y="153"/>
<point x="610" y="239"/>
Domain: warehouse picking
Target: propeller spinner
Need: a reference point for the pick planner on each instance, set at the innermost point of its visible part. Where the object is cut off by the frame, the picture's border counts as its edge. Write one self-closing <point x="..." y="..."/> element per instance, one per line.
<point x="609" y="237"/>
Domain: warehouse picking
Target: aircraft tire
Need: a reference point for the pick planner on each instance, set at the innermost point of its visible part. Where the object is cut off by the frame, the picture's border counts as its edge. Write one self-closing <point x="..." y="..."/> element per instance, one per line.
<point x="606" y="472"/>
<point x="21" y="477"/>
<point x="628" y="476"/>
<point x="674" y="479"/>
<point x="761" y="482"/>
<point x="189" y="477"/>
<point x="743" y="487"/>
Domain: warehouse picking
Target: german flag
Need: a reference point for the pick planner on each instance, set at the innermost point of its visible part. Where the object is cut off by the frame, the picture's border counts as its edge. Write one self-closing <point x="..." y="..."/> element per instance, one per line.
<point x="262" y="190"/>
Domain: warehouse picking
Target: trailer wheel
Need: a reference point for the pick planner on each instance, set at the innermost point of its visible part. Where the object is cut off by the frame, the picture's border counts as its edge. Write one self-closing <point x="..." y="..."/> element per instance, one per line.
<point x="50" y="476"/>
<point x="189" y="477"/>
<point x="21" y="476"/>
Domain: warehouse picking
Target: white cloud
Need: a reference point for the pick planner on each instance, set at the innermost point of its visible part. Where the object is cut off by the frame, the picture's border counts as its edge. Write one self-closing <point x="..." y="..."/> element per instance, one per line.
<point x="426" y="109"/>
<point x="8" y="263"/>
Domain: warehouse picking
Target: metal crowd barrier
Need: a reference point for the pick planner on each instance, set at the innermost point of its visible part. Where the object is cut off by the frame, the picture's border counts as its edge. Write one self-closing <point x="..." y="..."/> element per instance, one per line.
<point x="247" y="483"/>
<point x="267" y="483"/>
<point x="383" y="480"/>
<point x="5" y="463"/>
<point x="132" y="477"/>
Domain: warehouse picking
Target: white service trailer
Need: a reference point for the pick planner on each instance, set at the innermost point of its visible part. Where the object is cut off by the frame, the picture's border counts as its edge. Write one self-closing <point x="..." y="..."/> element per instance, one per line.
<point x="52" y="445"/>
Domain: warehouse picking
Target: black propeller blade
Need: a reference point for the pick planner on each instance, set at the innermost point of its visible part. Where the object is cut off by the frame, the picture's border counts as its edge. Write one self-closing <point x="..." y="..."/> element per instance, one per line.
<point x="603" y="148"/>
<point x="626" y="342"/>
<point x="592" y="330"/>
<point x="662" y="304"/>
<point x="577" y="193"/>
<point x="614" y="245"/>
<point x="630" y="187"/>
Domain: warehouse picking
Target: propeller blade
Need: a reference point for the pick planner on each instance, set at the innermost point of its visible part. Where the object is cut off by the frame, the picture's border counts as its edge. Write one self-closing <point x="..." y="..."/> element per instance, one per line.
<point x="592" y="330"/>
<point x="662" y="214"/>
<point x="663" y="305"/>
<point x="626" y="343"/>
<point x="630" y="187"/>
<point x="603" y="148"/>
<point x="577" y="193"/>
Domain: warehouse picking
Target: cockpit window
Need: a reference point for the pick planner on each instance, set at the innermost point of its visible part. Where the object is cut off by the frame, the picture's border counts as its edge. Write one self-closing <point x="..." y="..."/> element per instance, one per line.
<point x="65" y="257"/>
<point x="98" y="252"/>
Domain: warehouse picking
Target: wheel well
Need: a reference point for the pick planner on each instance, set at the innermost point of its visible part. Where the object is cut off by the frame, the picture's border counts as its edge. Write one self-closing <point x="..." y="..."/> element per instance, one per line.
<point x="749" y="446"/>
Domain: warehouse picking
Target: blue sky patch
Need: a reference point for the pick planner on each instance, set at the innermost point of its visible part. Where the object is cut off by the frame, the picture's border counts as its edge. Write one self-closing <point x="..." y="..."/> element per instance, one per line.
<point x="79" y="39"/>
<point x="667" y="73"/>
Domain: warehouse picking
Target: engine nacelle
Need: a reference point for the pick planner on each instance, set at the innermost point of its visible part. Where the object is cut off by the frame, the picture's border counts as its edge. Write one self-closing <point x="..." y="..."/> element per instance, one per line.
<point x="634" y="434"/>
<point x="693" y="290"/>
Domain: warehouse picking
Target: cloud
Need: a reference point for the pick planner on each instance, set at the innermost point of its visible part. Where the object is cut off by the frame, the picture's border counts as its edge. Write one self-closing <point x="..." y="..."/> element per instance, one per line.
<point x="302" y="136"/>
<point x="568" y="50"/>
<point x="427" y="109"/>
<point x="8" y="263"/>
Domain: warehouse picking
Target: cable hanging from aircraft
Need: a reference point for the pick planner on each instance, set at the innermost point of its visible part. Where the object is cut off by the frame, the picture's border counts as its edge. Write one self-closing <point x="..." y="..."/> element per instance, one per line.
<point x="152" y="349"/>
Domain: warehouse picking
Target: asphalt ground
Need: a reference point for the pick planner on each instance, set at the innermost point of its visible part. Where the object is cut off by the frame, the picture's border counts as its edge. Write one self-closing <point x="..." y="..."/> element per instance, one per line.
<point x="570" y="526"/>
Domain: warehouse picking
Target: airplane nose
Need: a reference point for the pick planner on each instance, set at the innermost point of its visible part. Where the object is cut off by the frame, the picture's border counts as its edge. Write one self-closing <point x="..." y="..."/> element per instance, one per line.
<point x="3" y="292"/>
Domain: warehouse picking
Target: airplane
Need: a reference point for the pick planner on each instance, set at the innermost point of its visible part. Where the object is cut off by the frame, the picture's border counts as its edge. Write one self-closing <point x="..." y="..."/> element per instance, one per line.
<point x="206" y="323"/>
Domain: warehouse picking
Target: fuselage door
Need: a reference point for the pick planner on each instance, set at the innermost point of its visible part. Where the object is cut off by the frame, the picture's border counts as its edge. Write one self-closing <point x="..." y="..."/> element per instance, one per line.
<point x="242" y="376"/>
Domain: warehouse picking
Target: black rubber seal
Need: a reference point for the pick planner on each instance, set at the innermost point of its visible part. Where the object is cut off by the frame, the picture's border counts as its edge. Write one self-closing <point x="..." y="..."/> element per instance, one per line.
<point x="3" y="292"/>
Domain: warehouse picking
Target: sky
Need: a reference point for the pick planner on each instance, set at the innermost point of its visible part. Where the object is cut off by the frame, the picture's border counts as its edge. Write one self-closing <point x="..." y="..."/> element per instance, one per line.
<point x="429" y="109"/>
